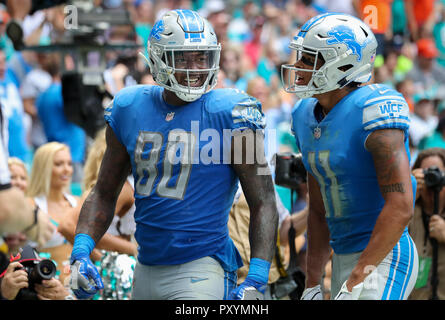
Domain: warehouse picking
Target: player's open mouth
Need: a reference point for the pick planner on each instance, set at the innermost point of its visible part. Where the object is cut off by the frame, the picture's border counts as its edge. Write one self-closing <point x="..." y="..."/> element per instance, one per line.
<point x="299" y="81"/>
<point x="193" y="81"/>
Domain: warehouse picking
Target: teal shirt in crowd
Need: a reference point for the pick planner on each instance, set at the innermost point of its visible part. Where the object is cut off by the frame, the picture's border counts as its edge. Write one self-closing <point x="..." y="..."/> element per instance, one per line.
<point x="434" y="140"/>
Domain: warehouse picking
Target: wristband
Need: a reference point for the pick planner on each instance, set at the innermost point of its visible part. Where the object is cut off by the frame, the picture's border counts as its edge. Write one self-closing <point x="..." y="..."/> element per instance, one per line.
<point x="83" y="246"/>
<point x="259" y="270"/>
<point x="36" y="210"/>
<point x="5" y="186"/>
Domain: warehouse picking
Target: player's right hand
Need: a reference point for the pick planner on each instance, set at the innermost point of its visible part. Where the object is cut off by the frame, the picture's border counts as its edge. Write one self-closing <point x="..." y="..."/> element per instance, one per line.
<point x="313" y="293"/>
<point x="85" y="279"/>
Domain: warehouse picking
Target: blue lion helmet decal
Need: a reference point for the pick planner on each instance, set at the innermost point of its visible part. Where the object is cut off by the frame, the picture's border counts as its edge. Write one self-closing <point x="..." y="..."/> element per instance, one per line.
<point x="345" y="35"/>
<point x="157" y="29"/>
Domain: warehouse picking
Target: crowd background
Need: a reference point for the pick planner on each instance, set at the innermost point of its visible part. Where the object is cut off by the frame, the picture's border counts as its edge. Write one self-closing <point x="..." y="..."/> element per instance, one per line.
<point x="254" y="35"/>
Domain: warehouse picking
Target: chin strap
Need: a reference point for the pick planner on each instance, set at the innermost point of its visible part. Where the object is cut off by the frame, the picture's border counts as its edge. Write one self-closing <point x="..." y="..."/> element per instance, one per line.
<point x="187" y="98"/>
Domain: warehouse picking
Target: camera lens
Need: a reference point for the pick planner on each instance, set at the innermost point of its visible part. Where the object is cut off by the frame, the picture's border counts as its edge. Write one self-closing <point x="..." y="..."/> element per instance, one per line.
<point x="433" y="177"/>
<point x="46" y="269"/>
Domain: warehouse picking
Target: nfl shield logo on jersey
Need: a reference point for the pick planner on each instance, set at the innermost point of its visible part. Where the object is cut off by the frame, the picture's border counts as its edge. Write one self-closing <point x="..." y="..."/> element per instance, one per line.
<point x="317" y="133"/>
<point x="169" y="116"/>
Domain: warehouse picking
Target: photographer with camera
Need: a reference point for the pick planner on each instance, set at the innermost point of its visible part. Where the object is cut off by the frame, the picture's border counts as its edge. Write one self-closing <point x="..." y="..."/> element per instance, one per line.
<point x="427" y="227"/>
<point x="28" y="277"/>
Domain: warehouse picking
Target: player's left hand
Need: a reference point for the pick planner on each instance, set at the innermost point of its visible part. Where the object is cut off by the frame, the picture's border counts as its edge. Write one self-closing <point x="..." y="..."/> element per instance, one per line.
<point x="248" y="290"/>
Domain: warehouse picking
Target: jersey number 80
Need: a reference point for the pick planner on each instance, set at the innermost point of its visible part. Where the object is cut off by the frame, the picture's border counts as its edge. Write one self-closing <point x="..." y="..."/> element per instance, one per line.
<point x="146" y="167"/>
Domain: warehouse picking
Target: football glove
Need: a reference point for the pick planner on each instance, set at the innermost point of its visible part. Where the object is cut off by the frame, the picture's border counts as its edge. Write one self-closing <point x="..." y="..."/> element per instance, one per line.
<point x="254" y="286"/>
<point x="85" y="279"/>
<point x="248" y="290"/>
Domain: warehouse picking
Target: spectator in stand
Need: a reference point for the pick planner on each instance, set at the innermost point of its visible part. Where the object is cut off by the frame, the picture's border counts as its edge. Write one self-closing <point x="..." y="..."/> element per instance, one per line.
<point x="391" y="60"/>
<point x="215" y="12"/>
<point x="250" y="10"/>
<point x="427" y="74"/>
<point x="253" y="48"/>
<point x="34" y="83"/>
<point x="19" y="64"/>
<point x="399" y="22"/>
<point x="15" y="278"/>
<point x="427" y="228"/>
<point x="122" y="228"/>
<point x="439" y="34"/>
<point x="49" y="189"/>
<point x="57" y="128"/>
<point x="234" y="66"/>
<point x="280" y="34"/>
<point x="344" y="6"/>
<point x="143" y="20"/>
<point x="19" y="179"/>
<point x="420" y="16"/>
<point x="437" y="138"/>
<point x="18" y="122"/>
<point x="406" y="88"/>
<point x="19" y="173"/>
<point x="383" y="75"/>
<point x="423" y="120"/>
<point x="268" y="65"/>
<point x="270" y="106"/>
<point x="5" y="42"/>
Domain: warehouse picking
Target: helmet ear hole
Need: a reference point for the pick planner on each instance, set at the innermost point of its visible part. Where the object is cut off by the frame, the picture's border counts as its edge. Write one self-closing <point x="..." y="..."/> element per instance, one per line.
<point x="345" y="67"/>
<point x="212" y="80"/>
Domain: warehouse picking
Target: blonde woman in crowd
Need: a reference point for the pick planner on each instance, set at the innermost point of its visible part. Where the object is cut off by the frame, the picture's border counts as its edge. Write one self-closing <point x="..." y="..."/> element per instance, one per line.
<point x="52" y="289"/>
<point x="49" y="189"/>
<point x="118" y="238"/>
<point x="19" y="173"/>
<point x="19" y="179"/>
<point x="119" y="235"/>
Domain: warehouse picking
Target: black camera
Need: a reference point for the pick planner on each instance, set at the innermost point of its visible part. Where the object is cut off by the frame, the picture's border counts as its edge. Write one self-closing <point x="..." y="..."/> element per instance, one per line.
<point x="289" y="170"/>
<point x="37" y="269"/>
<point x="434" y="178"/>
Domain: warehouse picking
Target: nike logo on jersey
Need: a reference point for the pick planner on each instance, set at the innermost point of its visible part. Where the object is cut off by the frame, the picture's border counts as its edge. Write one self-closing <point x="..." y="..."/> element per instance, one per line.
<point x="195" y="279"/>
<point x="383" y="91"/>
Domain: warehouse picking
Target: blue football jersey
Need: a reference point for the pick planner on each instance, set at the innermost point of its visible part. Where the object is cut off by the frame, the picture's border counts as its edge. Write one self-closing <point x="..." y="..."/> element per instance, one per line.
<point x="184" y="183"/>
<point x="334" y="153"/>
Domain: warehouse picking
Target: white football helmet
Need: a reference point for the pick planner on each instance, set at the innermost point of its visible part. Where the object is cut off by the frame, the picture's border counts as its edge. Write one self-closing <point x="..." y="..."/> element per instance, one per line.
<point x="347" y="46"/>
<point x="173" y="35"/>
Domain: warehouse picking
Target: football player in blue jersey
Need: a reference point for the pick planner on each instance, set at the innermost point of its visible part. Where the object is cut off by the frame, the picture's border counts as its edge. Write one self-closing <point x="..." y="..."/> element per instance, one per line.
<point x="354" y="141"/>
<point x="184" y="145"/>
